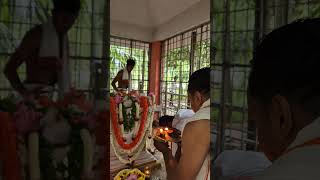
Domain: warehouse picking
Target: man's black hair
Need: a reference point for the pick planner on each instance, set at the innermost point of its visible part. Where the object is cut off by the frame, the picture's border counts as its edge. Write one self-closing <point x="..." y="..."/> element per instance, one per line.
<point x="165" y="120"/>
<point x="69" y="6"/>
<point x="131" y="62"/>
<point x="287" y="63"/>
<point x="200" y="81"/>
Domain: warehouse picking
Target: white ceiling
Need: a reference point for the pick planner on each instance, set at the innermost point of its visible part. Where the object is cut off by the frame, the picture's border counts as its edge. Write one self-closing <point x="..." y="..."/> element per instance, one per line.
<point x="148" y="13"/>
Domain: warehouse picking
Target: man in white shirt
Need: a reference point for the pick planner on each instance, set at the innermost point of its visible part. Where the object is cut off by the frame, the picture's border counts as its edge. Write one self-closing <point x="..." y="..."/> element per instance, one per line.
<point x="178" y="121"/>
<point x="233" y="164"/>
<point x="194" y="162"/>
<point x="285" y="104"/>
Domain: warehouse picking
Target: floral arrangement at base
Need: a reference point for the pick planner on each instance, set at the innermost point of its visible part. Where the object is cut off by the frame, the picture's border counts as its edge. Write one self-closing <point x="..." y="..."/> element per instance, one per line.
<point x="130" y="174"/>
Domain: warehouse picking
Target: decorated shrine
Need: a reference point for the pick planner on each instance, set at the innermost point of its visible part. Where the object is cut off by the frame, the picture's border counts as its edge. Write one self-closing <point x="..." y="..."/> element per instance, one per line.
<point x="132" y="116"/>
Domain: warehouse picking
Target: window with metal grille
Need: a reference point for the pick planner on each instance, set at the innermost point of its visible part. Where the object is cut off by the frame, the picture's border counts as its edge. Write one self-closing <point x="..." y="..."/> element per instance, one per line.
<point x="238" y="25"/>
<point x="182" y="54"/>
<point x="85" y="37"/>
<point x="122" y="49"/>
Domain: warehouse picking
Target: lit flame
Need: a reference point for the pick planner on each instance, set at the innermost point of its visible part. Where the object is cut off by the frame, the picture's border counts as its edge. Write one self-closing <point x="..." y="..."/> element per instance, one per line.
<point x="147" y="171"/>
<point x="161" y="130"/>
<point x="166" y="129"/>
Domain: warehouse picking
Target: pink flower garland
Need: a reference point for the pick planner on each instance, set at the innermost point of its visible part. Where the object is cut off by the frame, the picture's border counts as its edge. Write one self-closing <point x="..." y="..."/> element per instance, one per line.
<point x="132" y="177"/>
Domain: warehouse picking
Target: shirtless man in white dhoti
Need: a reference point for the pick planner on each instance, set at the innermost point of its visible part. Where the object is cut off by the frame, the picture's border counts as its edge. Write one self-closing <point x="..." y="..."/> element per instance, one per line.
<point x="45" y="51"/>
<point x="123" y="77"/>
<point x="194" y="162"/>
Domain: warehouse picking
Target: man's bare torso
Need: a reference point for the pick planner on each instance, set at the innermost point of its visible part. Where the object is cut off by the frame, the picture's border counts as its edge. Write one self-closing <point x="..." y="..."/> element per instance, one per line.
<point x="122" y="83"/>
<point x="42" y="70"/>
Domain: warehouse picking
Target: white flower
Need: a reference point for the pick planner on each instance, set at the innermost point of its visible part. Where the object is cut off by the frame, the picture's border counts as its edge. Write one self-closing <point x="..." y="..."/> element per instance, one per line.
<point x="57" y="133"/>
<point x="127" y="103"/>
<point x="49" y="117"/>
<point x="75" y="108"/>
<point x="88" y="150"/>
<point x="66" y="174"/>
<point x="120" y="112"/>
<point x="65" y="161"/>
<point x="137" y="110"/>
<point x="60" y="155"/>
<point x="23" y="153"/>
<point x="128" y="111"/>
<point x="59" y="175"/>
<point x="54" y="163"/>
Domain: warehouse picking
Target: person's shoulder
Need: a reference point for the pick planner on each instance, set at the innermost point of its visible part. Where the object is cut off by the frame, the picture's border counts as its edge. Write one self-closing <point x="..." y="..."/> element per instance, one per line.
<point x="201" y="115"/>
<point x="118" y="74"/>
<point x="199" y="125"/>
<point x="34" y="33"/>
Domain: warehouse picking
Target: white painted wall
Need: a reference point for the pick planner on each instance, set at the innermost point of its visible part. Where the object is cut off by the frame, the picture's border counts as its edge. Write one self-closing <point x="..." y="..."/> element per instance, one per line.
<point x="131" y="31"/>
<point x="196" y="14"/>
<point x="147" y="13"/>
<point x="162" y="11"/>
<point x="131" y="12"/>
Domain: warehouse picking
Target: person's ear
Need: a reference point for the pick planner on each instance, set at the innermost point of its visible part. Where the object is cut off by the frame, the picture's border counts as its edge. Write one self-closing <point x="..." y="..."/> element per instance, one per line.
<point x="280" y="117"/>
<point x="198" y="97"/>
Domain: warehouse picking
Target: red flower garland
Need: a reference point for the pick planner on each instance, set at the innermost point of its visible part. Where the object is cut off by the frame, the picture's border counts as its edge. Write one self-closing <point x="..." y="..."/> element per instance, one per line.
<point x="114" y="119"/>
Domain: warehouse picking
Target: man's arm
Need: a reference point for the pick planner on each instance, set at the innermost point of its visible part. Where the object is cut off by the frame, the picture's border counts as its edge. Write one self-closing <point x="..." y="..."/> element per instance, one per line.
<point x="115" y="80"/>
<point x="196" y="145"/>
<point x="25" y="51"/>
<point x="178" y="152"/>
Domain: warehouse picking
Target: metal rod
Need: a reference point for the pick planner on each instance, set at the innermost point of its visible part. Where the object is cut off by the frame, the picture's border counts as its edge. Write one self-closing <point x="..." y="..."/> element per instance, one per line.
<point x="200" y="54"/>
<point x="92" y="64"/>
<point x="222" y="118"/>
<point x="180" y="73"/>
<point x="143" y="64"/>
<point x="192" y="51"/>
<point x="166" y="82"/>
